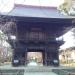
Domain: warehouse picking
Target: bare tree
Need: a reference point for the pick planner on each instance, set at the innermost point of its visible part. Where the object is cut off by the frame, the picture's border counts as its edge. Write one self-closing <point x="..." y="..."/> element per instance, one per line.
<point x="6" y="28"/>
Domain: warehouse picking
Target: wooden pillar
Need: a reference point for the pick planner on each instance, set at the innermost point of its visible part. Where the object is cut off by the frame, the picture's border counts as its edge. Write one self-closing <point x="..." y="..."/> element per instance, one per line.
<point x="15" y="58"/>
<point x="25" y="57"/>
<point x="45" y="57"/>
<point x="48" y="58"/>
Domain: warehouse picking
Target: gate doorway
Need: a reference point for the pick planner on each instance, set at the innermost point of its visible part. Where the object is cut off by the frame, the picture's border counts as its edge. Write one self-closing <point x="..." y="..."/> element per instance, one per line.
<point x="35" y="58"/>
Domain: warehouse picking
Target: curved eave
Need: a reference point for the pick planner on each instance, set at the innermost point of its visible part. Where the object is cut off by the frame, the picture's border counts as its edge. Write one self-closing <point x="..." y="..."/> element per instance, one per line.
<point x="36" y="11"/>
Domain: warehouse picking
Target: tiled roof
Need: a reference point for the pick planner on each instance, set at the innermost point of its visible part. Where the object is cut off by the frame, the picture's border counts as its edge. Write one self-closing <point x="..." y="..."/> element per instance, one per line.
<point x="36" y="11"/>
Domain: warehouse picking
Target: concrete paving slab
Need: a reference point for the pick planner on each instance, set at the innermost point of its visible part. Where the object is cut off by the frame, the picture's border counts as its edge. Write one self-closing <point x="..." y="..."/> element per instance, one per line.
<point x="40" y="73"/>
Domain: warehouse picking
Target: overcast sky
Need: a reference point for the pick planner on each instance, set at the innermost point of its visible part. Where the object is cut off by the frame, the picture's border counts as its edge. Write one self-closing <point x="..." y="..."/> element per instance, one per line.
<point x="8" y="5"/>
<point x="53" y="3"/>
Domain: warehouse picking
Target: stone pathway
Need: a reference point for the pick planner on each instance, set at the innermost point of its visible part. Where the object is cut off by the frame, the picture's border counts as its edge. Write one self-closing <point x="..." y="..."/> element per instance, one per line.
<point x="33" y="70"/>
<point x="40" y="73"/>
<point x="36" y="70"/>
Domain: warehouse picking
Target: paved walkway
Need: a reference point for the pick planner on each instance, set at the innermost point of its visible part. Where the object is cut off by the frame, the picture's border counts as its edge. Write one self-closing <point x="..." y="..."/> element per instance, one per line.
<point x="30" y="70"/>
<point x="40" y="73"/>
<point x="27" y="67"/>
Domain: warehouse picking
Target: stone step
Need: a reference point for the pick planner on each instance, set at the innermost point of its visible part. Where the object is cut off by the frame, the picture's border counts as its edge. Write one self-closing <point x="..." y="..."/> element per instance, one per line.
<point x="37" y="69"/>
<point x="40" y="73"/>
